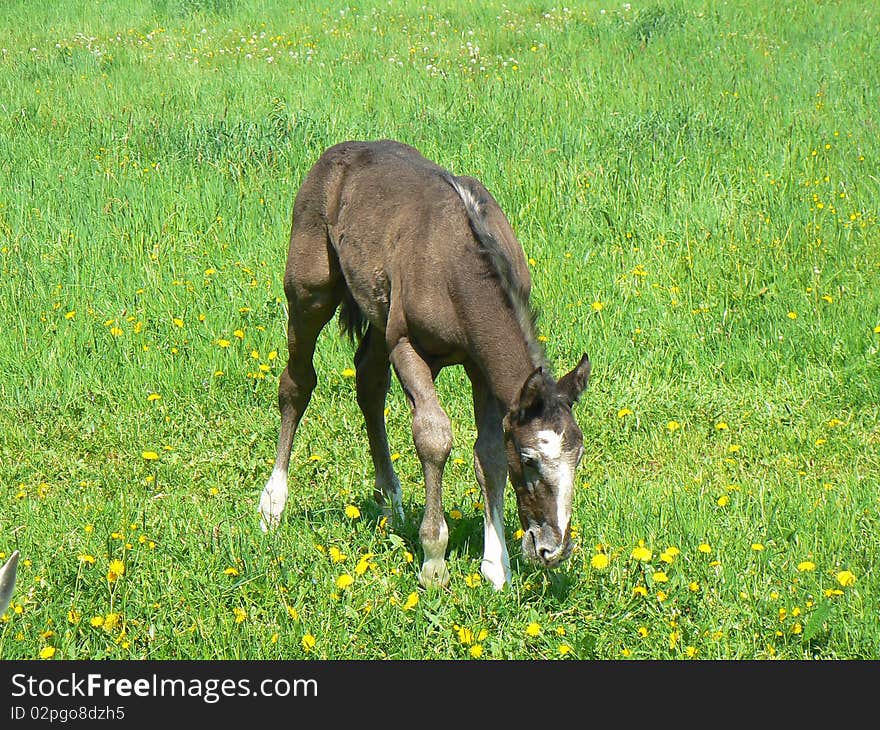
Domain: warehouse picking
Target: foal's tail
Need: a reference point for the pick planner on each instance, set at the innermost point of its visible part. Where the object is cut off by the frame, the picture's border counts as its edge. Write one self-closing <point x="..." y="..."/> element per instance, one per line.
<point x="351" y="319"/>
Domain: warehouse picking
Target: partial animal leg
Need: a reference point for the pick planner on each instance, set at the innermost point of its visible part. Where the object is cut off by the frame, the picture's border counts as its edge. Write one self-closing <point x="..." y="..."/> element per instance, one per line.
<point x="7" y="581"/>
<point x="314" y="287"/>
<point x="373" y="380"/>
<point x="432" y="435"/>
<point x="306" y="319"/>
<point x="490" y="465"/>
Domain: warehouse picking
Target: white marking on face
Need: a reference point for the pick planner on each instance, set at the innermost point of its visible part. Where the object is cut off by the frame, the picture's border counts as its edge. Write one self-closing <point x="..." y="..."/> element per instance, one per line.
<point x="549" y="444"/>
<point x="559" y="472"/>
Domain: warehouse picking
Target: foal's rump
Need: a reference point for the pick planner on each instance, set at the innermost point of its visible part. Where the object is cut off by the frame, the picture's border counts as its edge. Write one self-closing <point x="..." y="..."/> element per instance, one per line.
<point x="393" y="222"/>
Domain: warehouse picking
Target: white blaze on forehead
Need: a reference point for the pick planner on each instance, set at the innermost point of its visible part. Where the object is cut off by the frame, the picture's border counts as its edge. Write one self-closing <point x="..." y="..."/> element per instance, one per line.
<point x="549" y="444"/>
<point x="560" y="471"/>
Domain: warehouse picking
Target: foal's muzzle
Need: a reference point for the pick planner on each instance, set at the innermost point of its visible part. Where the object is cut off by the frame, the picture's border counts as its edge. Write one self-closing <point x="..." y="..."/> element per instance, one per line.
<point x="542" y="545"/>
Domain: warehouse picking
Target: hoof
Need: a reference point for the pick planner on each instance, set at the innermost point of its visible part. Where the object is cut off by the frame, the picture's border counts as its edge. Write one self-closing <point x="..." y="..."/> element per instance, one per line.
<point x="434" y="573"/>
<point x="272" y="501"/>
<point x="270" y="511"/>
<point x="496" y="574"/>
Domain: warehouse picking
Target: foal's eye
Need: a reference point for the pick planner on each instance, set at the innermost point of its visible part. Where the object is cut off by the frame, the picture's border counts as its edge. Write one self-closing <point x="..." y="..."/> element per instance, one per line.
<point x="530" y="461"/>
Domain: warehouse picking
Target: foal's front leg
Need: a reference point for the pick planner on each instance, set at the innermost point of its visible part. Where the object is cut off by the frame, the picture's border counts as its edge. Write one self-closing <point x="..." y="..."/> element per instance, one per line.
<point x="490" y="466"/>
<point x="432" y="435"/>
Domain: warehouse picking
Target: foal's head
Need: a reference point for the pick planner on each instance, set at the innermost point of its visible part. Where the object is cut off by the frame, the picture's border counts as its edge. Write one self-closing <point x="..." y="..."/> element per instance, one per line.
<point x="544" y="445"/>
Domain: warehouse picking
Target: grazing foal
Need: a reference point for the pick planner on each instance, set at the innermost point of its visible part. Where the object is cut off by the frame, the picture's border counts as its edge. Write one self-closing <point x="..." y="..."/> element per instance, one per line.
<point x="429" y="273"/>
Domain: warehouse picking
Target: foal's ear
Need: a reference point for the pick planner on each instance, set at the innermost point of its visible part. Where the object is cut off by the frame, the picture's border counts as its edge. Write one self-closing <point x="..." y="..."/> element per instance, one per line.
<point x="572" y="384"/>
<point x="533" y="394"/>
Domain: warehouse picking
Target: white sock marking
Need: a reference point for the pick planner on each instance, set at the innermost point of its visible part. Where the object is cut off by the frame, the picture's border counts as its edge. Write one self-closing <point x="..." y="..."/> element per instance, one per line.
<point x="273" y="499"/>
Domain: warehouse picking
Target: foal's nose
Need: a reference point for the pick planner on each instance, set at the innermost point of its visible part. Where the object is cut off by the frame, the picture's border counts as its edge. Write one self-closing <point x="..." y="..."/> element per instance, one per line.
<point x="548" y="549"/>
<point x="550" y="556"/>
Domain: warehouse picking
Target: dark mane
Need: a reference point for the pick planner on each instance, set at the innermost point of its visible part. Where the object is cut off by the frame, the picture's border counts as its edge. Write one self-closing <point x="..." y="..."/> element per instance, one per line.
<point x="526" y="315"/>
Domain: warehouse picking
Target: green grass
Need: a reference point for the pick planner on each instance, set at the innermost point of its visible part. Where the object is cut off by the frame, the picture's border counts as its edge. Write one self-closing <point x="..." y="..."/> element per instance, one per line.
<point x="696" y="185"/>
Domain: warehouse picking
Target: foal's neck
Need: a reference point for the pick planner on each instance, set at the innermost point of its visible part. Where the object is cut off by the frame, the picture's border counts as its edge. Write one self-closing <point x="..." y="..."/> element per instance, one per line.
<point x="504" y="353"/>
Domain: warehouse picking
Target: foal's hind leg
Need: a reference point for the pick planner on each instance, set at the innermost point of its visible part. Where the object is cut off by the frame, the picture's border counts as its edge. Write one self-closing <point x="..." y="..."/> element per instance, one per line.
<point x="307" y="317"/>
<point x="432" y="435"/>
<point x="313" y="287"/>
<point x="373" y="380"/>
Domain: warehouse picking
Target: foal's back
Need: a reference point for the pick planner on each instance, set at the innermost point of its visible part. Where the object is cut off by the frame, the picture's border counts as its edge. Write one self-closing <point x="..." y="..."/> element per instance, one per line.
<point x="403" y="240"/>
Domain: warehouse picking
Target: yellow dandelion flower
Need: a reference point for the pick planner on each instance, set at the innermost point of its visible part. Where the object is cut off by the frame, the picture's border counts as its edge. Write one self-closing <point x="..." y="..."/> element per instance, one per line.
<point x="721" y="426"/>
<point x="115" y="570"/>
<point x="806" y="566"/>
<point x="723" y="500"/>
<point x="704" y="548"/>
<point x="564" y="649"/>
<point x="97" y="621"/>
<point x="624" y="412"/>
<point x="660" y="577"/>
<point x="673" y="426"/>
<point x="47" y="652"/>
<point x="111" y="621"/>
<point x="473" y="580"/>
<point x="240" y="614"/>
<point x="239" y="334"/>
<point x="465" y="635"/>
<point x="352" y="512"/>
<point x="73" y="616"/>
<point x="455" y="514"/>
<point x="115" y="331"/>
<point x="690" y="652"/>
<point x="411" y="601"/>
<point x="597" y="306"/>
<point x="533" y="629"/>
<point x="407" y="556"/>
<point x="344" y="581"/>
<point x="476" y="651"/>
<point x="599" y="561"/>
<point x="178" y="322"/>
<point x="308" y="642"/>
<point x="517" y="535"/>
<point x="348" y="373"/>
<point x="86" y="558"/>
<point x="792" y="315"/>
<point x="642" y="553"/>
<point x="154" y="397"/>
<point x="70" y="315"/>
<point x="231" y="571"/>
<point x="149" y="455"/>
<point x="223" y="343"/>
<point x="363" y="564"/>
<point x="846" y="578"/>
<point x="757" y="547"/>
<point x="642" y="631"/>
<point x="336" y="555"/>
<point x="315" y="457"/>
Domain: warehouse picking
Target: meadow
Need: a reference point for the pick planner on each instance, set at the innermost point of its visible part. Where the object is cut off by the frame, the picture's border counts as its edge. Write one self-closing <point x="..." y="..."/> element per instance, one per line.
<point x="696" y="186"/>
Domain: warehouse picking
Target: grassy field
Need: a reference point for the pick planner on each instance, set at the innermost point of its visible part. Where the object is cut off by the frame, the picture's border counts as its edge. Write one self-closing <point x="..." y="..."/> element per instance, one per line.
<point x="696" y="187"/>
